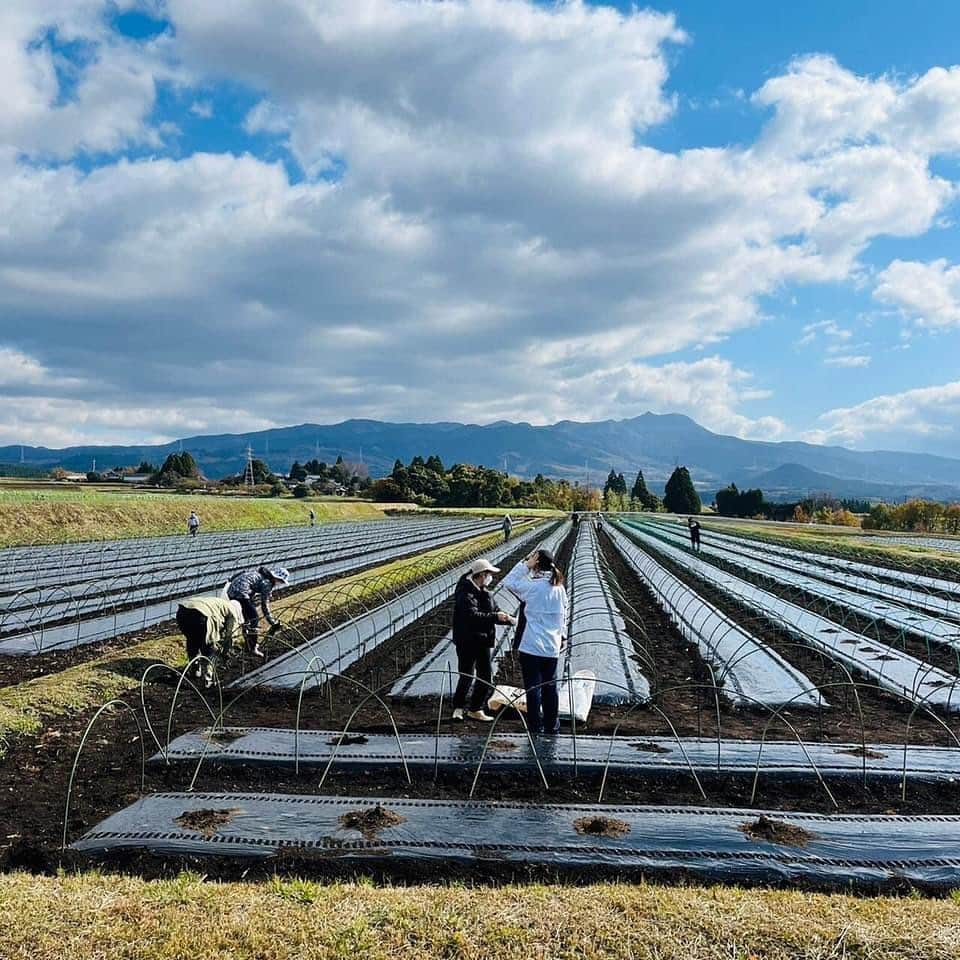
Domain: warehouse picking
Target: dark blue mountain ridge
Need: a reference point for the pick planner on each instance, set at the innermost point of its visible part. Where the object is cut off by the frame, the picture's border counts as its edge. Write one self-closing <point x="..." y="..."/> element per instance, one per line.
<point x="656" y="443"/>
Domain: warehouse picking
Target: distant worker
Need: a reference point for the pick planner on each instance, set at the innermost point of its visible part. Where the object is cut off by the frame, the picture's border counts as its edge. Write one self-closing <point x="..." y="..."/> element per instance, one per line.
<point x="507" y="526"/>
<point x="538" y="582"/>
<point x="694" y="526"/>
<point x="193" y="524"/>
<point x="599" y="522"/>
<point x="251" y="587"/>
<point x="211" y="626"/>
<point x="576" y="519"/>
<point x="475" y="619"/>
<point x="313" y="517"/>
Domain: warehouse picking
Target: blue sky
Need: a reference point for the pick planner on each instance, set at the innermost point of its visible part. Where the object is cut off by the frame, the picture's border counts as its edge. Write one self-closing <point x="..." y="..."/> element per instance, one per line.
<point x="317" y="209"/>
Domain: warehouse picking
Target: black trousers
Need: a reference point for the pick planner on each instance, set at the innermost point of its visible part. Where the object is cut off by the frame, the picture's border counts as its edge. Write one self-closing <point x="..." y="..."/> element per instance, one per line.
<point x="193" y="625"/>
<point x="540" y="682"/>
<point x="473" y="661"/>
<point x="251" y="621"/>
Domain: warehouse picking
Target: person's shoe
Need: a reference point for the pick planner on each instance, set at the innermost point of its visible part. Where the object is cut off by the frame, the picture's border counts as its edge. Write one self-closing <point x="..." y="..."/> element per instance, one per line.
<point x="458" y="713"/>
<point x="480" y="715"/>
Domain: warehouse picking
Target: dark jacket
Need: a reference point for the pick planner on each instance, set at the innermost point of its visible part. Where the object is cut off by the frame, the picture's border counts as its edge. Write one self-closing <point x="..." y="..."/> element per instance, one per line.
<point x="474" y="615"/>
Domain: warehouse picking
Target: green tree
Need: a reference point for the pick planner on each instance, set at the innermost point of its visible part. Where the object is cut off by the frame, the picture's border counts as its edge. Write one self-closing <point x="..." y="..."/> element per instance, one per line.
<point x="298" y="472"/>
<point x="177" y="467"/>
<point x="641" y="494"/>
<point x="387" y="490"/>
<point x="610" y="486"/>
<point x="680" y="495"/>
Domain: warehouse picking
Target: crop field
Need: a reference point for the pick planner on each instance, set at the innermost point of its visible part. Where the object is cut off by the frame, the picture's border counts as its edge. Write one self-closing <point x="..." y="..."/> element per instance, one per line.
<point x="47" y="513"/>
<point x="756" y="713"/>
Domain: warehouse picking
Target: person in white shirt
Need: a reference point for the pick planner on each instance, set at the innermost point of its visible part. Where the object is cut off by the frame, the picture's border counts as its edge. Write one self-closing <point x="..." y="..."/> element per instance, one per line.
<point x="538" y="582"/>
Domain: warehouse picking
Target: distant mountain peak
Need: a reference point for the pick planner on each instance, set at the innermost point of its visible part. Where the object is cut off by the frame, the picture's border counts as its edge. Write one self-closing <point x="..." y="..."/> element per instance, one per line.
<point x="653" y="442"/>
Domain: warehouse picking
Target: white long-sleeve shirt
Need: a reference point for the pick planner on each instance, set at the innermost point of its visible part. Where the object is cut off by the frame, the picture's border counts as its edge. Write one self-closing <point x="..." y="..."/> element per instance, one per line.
<point x="546" y="611"/>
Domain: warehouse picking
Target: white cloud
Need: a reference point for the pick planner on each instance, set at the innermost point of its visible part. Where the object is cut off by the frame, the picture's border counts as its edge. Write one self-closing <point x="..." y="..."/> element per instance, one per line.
<point x="827" y="328"/>
<point x="848" y="360"/>
<point x="202" y="109"/>
<point x="928" y="293"/>
<point x="71" y="83"/>
<point x="498" y="220"/>
<point x="923" y="412"/>
<point x="57" y="422"/>
<point x="835" y="344"/>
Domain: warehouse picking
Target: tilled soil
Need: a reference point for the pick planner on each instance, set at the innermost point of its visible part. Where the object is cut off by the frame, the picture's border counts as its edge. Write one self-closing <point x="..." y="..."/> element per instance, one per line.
<point x="939" y="655"/>
<point x="885" y="718"/>
<point x="35" y="772"/>
<point x="15" y="670"/>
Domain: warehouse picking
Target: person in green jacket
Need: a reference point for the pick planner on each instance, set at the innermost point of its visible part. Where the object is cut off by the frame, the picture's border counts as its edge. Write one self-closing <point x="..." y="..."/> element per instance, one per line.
<point x="211" y="626"/>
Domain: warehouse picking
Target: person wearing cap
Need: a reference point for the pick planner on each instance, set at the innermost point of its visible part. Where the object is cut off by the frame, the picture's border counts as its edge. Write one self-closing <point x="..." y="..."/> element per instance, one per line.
<point x="475" y="619"/>
<point x="211" y="626"/>
<point x="538" y="583"/>
<point x="250" y="588"/>
<point x="193" y="524"/>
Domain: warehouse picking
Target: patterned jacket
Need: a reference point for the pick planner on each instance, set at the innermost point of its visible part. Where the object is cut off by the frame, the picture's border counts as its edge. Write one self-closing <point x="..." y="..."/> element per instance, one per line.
<point x="253" y="585"/>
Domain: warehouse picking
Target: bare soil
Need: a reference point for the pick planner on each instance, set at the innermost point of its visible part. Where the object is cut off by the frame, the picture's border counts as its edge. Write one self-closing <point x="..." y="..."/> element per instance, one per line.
<point x="206" y="822"/>
<point x="35" y="773"/>
<point x="601" y="827"/>
<point x="370" y="820"/>
<point x="776" y="831"/>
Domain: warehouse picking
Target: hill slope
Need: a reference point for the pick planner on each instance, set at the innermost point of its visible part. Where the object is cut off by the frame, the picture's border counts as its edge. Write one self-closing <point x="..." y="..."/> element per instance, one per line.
<point x="655" y="443"/>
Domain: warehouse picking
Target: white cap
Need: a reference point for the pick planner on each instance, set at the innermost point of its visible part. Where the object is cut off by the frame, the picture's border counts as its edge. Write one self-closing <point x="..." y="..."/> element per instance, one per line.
<point x="482" y="566"/>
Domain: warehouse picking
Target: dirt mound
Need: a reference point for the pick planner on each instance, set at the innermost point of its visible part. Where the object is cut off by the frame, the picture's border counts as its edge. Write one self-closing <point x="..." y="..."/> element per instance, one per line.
<point x="601" y="827"/>
<point x="371" y="820"/>
<point x="648" y="746"/>
<point x="206" y="821"/>
<point x="776" y="831"/>
<point x="501" y="745"/>
<point x="865" y="752"/>
<point x="347" y="740"/>
<point x="222" y="737"/>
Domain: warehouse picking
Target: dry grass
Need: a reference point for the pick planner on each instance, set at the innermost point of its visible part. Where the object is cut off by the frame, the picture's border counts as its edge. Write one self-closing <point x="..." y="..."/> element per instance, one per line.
<point x="90" y="917"/>
<point x="497" y="511"/>
<point x="852" y="543"/>
<point x="67" y="516"/>
<point x="25" y="706"/>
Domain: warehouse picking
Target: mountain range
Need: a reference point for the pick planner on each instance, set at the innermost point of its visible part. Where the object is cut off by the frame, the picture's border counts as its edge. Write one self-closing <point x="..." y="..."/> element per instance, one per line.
<point x="655" y="443"/>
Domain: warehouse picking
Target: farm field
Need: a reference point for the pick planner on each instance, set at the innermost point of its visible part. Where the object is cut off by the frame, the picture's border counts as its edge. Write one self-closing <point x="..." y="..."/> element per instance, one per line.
<point x="50" y="513"/>
<point x="898" y="549"/>
<point x="756" y="714"/>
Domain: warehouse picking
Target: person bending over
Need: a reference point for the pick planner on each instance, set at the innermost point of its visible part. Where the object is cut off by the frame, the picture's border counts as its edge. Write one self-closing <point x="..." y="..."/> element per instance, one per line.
<point x="538" y="582"/>
<point x="252" y="588"/>
<point x="475" y="619"/>
<point x="211" y="626"/>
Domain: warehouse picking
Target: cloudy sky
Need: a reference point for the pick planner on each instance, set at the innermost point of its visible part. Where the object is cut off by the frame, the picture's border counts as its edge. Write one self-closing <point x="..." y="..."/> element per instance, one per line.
<point x="226" y="216"/>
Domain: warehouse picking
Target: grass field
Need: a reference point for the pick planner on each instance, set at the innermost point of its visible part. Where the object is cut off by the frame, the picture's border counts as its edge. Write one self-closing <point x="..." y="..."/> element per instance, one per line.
<point x="61" y="516"/>
<point x="844" y="541"/>
<point x="92" y="916"/>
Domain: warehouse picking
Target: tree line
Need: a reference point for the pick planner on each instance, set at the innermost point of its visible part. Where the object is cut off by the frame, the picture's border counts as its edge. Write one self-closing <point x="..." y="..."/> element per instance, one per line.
<point x="922" y="516"/>
<point x="429" y="483"/>
<point x="679" y="495"/>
